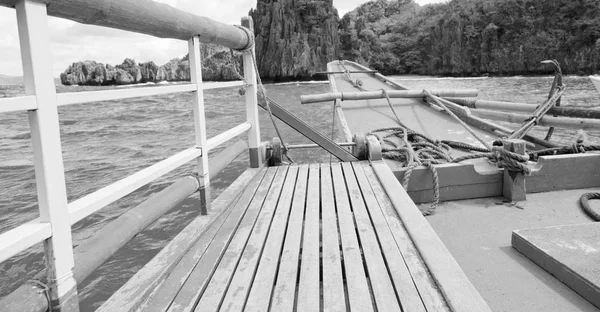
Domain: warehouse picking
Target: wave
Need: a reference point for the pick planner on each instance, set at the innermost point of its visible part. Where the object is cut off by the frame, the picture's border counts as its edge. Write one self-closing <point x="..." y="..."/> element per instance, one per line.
<point x="21" y="136"/>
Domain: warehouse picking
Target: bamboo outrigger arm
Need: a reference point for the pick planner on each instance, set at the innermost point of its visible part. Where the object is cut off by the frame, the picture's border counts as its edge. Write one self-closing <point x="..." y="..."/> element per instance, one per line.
<point x="369" y="95"/>
<point x="146" y="17"/>
<point x="525" y="107"/>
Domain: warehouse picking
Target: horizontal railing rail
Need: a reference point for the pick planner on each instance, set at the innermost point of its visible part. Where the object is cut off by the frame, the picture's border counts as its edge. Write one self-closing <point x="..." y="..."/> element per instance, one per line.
<point x="41" y="101"/>
<point x="144" y="17"/>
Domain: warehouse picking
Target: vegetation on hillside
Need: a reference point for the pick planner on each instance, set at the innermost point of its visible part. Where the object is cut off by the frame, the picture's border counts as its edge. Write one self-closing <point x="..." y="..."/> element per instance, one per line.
<point x="473" y="37"/>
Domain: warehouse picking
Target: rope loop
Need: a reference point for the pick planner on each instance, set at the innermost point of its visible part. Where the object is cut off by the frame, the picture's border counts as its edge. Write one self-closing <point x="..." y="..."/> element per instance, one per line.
<point x="583" y="201"/>
<point x="42" y="288"/>
<point x="251" y="40"/>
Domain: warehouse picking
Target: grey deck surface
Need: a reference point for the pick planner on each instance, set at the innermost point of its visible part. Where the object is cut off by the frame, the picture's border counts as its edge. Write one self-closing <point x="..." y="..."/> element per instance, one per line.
<point x="305" y="238"/>
<point x="478" y="234"/>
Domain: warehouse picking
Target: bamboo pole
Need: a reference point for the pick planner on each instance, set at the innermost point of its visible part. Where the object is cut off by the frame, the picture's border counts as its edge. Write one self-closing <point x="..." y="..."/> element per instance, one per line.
<point x="369" y="95"/>
<point x="576" y="112"/>
<point x="145" y="17"/>
<point x="546" y="121"/>
<point x="92" y="253"/>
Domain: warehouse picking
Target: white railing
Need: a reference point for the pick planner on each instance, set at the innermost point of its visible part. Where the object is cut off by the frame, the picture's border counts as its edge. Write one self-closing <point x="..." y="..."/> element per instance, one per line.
<point x="53" y="227"/>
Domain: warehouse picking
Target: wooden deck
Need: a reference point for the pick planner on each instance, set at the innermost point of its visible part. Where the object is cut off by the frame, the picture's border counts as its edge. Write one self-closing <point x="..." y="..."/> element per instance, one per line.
<point x="311" y="238"/>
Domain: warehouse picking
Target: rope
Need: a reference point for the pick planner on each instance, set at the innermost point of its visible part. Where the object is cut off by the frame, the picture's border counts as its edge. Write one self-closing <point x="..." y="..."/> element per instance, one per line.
<point x="583" y="201"/>
<point x="261" y="88"/>
<point x="42" y="288"/>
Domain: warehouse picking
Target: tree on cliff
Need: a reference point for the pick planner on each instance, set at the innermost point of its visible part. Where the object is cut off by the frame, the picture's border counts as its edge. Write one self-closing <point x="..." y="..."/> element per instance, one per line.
<point x="465" y="37"/>
<point x="294" y="38"/>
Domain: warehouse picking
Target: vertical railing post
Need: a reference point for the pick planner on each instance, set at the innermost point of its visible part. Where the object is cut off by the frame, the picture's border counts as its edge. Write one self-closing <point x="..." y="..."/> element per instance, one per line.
<point x="256" y="155"/>
<point x="200" y="123"/>
<point x="49" y="168"/>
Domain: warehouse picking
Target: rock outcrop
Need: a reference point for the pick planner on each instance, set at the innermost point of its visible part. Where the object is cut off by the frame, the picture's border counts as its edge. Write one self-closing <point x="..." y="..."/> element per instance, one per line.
<point x="294" y="38"/>
<point x="218" y="64"/>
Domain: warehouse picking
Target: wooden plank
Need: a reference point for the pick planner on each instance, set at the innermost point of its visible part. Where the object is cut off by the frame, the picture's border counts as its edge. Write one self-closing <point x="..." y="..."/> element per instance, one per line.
<point x="216" y="265"/>
<point x="22" y="237"/>
<point x="148" y="279"/>
<point x="161" y="297"/>
<point x="263" y="280"/>
<point x="309" y="285"/>
<point x="91" y="203"/>
<point x="334" y="298"/>
<point x="227" y="135"/>
<point x="146" y="17"/>
<point x="211" y="298"/>
<point x="120" y="94"/>
<point x="383" y="289"/>
<point x="458" y="291"/>
<point x="397" y="246"/>
<point x="564" y="172"/>
<point x="359" y="293"/>
<point x="457" y="181"/>
<point x="221" y="84"/>
<point x="284" y="292"/>
<point x="571" y="253"/>
<point x="32" y="21"/>
<point x="18" y="103"/>
<point x="513" y="186"/>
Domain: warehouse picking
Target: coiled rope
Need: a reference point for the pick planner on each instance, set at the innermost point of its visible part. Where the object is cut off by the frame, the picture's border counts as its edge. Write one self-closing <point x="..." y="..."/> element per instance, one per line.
<point x="583" y="201"/>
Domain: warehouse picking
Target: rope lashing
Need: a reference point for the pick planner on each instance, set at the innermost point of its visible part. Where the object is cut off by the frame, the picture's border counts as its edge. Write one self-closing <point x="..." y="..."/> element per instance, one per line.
<point x="42" y="288"/>
<point x="250" y="34"/>
<point x="511" y="161"/>
<point x="557" y="82"/>
<point x="583" y="201"/>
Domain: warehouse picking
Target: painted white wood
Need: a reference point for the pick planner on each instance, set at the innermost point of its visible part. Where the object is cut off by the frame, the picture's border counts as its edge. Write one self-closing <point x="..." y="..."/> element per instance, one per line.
<point x="22" y="237"/>
<point x="200" y="122"/>
<point x="19" y="103"/>
<point x="221" y="84"/>
<point x="45" y="137"/>
<point x="227" y="135"/>
<point x="119" y="94"/>
<point x="252" y="102"/>
<point x="91" y="203"/>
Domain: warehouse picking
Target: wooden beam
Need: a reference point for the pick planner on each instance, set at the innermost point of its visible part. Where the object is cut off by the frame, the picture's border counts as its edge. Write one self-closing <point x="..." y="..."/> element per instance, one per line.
<point x="22" y="237"/>
<point x="119" y="94"/>
<point x="309" y="132"/>
<point x="545" y="121"/>
<point x="227" y="135"/>
<point x="576" y="112"/>
<point x="145" y="17"/>
<point x="18" y="103"/>
<point x="568" y="252"/>
<point x="91" y="203"/>
<point x="200" y="123"/>
<point x="369" y="95"/>
<point x="513" y="187"/>
<point x="248" y="61"/>
<point x="458" y="291"/>
<point x="32" y="20"/>
<point x="338" y="111"/>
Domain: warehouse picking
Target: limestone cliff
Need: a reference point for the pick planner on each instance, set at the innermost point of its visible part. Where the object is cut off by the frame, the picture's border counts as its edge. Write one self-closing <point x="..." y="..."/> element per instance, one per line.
<point x="217" y="65"/>
<point x="294" y="38"/>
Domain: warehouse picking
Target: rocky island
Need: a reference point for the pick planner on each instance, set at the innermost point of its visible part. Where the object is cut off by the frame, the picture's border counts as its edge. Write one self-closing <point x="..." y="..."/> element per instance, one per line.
<point x="297" y="38"/>
<point x="218" y="64"/>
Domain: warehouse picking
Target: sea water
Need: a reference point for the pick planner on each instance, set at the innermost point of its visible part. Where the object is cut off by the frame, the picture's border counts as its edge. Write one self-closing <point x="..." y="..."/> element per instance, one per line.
<point x="107" y="141"/>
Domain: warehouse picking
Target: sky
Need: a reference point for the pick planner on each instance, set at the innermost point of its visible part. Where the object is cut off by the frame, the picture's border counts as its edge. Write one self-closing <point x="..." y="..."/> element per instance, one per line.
<point x="72" y="42"/>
